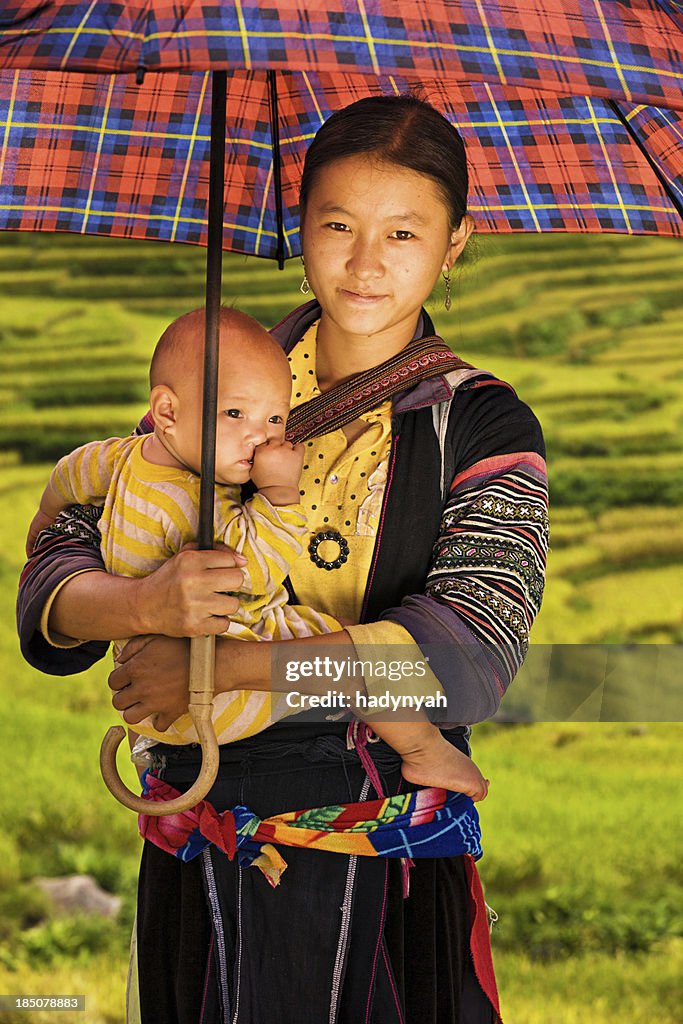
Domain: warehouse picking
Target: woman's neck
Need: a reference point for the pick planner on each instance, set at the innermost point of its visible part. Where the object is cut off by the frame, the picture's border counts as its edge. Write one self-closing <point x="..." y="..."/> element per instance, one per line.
<point x="340" y="356"/>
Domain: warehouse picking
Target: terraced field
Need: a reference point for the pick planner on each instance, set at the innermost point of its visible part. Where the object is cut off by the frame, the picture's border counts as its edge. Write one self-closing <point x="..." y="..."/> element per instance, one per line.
<point x="588" y="329"/>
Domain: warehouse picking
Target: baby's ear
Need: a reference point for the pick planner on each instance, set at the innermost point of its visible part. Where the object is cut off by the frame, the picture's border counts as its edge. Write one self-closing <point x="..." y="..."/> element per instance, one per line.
<point x="163" y="402"/>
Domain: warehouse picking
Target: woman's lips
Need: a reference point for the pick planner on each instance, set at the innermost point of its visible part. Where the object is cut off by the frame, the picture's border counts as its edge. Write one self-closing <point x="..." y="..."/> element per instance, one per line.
<point x="361" y="298"/>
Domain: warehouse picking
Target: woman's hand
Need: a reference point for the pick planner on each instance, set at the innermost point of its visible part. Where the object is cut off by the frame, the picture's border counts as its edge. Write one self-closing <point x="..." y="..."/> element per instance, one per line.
<point x="189" y="595"/>
<point x="152" y="675"/>
<point x="152" y="679"/>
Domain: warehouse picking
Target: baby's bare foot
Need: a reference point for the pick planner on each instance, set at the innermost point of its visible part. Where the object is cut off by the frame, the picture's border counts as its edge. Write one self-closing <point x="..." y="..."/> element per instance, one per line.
<point x="440" y="764"/>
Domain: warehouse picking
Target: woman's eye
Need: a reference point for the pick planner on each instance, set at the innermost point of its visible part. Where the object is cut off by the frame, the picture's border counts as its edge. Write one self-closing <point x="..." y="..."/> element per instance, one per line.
<point x="337" y="226"/>
<point x="235" y="413"/>
<point x="403" y="236"/>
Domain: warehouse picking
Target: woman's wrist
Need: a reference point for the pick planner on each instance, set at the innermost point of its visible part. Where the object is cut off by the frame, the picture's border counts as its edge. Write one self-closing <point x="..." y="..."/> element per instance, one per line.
<point x="188" y="595"/>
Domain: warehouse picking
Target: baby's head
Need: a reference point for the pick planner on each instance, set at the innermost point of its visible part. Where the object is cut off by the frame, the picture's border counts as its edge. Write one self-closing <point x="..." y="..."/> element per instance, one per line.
<point x="254" y="391"/>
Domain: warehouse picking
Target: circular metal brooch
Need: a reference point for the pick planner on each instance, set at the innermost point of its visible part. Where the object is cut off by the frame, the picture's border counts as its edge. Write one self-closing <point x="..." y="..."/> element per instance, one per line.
<point x="322" y="563"/>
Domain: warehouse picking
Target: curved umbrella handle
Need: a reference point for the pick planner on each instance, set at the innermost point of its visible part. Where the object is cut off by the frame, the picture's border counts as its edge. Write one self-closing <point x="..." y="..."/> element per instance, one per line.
<point x="202" y="665"/>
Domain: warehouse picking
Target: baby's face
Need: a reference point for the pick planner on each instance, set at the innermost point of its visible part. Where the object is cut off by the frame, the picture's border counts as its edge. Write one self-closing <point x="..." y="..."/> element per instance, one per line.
<point x="253" y="404"/>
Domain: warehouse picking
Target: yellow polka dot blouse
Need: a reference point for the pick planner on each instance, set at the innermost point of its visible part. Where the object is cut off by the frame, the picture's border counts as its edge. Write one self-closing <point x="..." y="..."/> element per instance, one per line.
<point x="341" y="489"/>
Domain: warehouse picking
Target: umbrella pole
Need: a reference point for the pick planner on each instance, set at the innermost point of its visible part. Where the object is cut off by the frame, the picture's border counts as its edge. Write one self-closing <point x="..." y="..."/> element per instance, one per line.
<point x="202" y="648"/>
<point x="277" y="168"/>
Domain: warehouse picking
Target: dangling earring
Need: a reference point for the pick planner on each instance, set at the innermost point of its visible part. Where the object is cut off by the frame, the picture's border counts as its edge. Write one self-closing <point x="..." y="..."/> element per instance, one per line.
<point x="447" y="297"/>
<point x="304" y="287"/>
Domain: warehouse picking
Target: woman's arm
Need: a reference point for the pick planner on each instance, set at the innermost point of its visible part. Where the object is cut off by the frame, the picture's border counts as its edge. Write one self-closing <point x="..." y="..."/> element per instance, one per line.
<point x="70" y="546"/>
<point x="152" y="674"/>
<point x="184" y="597"/>
<point x="483" y="587"/>
<point x="485" y="582"/>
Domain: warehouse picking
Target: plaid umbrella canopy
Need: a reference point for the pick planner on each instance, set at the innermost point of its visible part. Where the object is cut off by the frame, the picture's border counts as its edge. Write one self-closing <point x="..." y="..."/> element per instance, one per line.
<point x="572" y="114"/>
<point x="571" y="110"/>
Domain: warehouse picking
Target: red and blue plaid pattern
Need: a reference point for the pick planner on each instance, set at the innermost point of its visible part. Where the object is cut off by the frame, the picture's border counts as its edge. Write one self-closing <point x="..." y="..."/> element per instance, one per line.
<point x="572" y="112"/>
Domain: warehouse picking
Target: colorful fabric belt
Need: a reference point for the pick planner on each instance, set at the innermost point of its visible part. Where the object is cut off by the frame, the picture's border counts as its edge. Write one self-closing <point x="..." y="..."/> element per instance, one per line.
<point x="426" y="823"/>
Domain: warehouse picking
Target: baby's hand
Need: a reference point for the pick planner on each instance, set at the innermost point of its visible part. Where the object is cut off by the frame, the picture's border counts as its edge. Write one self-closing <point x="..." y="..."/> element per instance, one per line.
<point x="278" y="464"/>
<point x="40" y="522"/>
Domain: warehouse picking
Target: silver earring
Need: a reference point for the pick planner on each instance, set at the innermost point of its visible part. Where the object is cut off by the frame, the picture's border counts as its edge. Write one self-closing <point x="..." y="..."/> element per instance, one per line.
<point x="447" y="296"/>
<point x="304" y="287"/>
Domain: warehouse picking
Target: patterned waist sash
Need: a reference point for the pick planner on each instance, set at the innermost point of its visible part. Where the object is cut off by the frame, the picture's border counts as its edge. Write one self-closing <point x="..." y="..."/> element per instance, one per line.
<point x="426" y="357"/>
<point x="427" y="823"/>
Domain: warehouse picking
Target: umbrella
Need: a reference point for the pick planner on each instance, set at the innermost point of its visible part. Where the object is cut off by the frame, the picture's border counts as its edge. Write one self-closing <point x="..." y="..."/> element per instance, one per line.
<point x="571" y="112"/>
<point x="572" y="115"/>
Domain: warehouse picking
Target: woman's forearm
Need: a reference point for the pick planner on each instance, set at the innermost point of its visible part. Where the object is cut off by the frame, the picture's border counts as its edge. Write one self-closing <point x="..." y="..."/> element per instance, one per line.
<point x="98" y="606"/>
<point x="261" y="666"/>
<point x="152" y="673"/>
<point x="189" y="595"/>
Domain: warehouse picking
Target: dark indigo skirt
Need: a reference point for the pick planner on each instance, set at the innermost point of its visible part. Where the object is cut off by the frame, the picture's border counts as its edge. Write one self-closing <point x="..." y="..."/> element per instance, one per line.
<point x="334" y="943"/>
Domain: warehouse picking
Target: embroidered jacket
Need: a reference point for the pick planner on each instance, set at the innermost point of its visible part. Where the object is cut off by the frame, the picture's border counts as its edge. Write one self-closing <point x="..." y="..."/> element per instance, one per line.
<point x="469" y="582"/>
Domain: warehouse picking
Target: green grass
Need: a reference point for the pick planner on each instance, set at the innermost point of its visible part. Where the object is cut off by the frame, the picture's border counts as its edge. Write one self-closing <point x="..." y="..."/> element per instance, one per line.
<point x="584" y="870"/>
<point x="60" y="819"/>
<point x="595" y="988"/>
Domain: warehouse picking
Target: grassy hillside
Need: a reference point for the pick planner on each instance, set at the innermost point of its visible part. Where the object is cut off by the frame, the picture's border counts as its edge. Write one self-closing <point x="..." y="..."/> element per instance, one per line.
<point x="582" y="857"/>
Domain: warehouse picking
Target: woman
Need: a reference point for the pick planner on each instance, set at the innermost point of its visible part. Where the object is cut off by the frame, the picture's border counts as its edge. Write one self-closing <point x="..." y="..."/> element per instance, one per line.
<point x="437" y="487"/>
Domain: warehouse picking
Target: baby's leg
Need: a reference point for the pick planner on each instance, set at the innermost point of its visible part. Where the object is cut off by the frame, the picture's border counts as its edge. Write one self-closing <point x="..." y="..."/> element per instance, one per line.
<point x="430" y="760"/>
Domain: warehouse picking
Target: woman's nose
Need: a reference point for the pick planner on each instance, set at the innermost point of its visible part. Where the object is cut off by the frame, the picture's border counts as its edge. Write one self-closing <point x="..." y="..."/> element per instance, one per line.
<point x="365" y="260"/>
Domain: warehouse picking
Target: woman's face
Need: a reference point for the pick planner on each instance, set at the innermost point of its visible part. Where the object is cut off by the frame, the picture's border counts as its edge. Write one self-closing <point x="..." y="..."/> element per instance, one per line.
<point x="375" y="239"/>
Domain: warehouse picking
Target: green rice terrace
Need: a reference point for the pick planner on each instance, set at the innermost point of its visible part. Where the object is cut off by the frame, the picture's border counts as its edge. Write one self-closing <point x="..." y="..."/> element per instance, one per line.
<point x="582" y="859"/>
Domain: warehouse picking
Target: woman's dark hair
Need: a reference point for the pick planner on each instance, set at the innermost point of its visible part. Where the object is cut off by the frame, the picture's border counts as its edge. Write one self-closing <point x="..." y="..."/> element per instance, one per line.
<point x="401" y="130"/>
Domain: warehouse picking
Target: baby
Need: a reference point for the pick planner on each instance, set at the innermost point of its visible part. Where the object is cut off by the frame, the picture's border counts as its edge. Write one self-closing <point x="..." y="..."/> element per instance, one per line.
<point x="149" y="488"/>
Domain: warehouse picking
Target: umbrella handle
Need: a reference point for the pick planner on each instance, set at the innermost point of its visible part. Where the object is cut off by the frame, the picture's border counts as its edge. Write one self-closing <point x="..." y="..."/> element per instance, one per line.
<point x="202" y="662"/>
